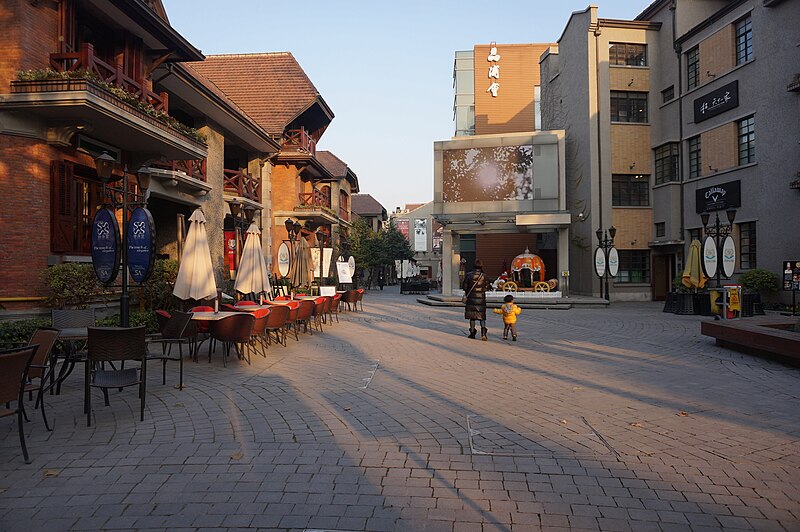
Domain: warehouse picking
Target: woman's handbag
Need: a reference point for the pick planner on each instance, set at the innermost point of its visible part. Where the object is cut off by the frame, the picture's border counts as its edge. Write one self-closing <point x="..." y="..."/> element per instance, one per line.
<point x="465" y="296"/>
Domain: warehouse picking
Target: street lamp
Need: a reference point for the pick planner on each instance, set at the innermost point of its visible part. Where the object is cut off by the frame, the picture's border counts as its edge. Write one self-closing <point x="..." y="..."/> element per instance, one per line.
<point x="606" y="258"/>
<point x="717" y="232"/>
<point x="122" y="197"/>
<point x="320" y="234"/>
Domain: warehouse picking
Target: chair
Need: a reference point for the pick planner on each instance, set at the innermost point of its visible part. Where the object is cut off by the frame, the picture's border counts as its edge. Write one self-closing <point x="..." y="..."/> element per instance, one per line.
<point x="360" y="297"/>
<point x="201" y="329"/>
<point x="283" y="298"/>
<point x="41" y="366"/>
<point x="304" y="313"/>
<point x="291" y="320"/>
<point x="245" y="303"/>
<point x="319" y="312"/>
<point x="335" y="306"/>
<point x="73" y="324"/>
<point x="350" y="298"/>
<point x="327" y="317"/>
<point x="260" y="333"/>
<point x="162" y="317"/>
<point x="236" y="330"/>
<point x="278" y="316"/>
<point x="178" y="330"/>
<point x="14" y="366"/>
<point x="227" y="307"/>
<point x="109" y="344"/>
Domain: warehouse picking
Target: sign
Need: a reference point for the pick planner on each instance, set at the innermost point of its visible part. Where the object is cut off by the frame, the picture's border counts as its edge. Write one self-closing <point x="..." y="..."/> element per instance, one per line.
<point x="599" y="262"/>
<point x="734" y="299"/>
<point x="710" y="258"/>
<point x="105" y="246"/>
<point x="284" y="259"/>
<point x="327" y="253"/>
<point x="327" y="291"/>
<point x="613" y="262"/>
<point x="436" y="241"/>
<point x="494" y="70"/>
<point x="343" y="272"/>
<point x="351" y="263"/>
<point x="716" y="102"/>
<point x="230" y="252"/>
<point x="791" y="275"/>
<point x="420" y="234"/>
<point x="141" y="244"/>
<point x="728" y="256"/>
<point x="718" y="197"/>
<point x="402" y="226"/>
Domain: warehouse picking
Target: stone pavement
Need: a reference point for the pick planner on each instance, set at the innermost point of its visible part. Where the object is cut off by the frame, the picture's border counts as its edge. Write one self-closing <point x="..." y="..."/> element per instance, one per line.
<point x="601" y="419"/>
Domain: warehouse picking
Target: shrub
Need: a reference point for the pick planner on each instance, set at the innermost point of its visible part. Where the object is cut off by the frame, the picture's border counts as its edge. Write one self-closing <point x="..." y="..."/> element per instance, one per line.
<point x="71" y="284"/>
<point x="17" y="333"/>
<point x="156" y="292"/>
<point x="759" y="280"/>
<point x="136" y="319"/>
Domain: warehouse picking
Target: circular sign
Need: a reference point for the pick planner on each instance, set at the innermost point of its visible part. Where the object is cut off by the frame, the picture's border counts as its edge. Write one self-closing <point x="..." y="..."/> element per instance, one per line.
<point x="284" y="259"/>
<point x="613" y="262"/>
<point x="105" y="246"/>
<point x="728" y="256"/>
<point x="599" y="262"/>
<point x="710" y="258"/>
<point x="141" y="244"/>
<point x="351" y="263"/>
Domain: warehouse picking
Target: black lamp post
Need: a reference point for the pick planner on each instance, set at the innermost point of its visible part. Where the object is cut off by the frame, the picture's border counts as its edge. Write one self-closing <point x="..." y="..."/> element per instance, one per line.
<point x="320" y="234"/>
<point x="718" y="232"/>
<point x="122" y="197"/>
<point x="605" y="240"/>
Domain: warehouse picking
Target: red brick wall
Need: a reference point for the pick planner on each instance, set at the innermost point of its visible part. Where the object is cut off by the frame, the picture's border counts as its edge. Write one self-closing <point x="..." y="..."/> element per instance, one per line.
<point x="28" y="35"/>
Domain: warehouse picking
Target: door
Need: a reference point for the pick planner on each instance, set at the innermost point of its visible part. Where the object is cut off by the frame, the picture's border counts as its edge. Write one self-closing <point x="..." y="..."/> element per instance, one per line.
<point x="662" y="276"/>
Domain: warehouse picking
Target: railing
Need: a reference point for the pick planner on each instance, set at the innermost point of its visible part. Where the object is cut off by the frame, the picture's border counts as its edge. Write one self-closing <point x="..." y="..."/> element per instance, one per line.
<point x="242" y="184"/>
<point x="316" y="198"/>
<point x="344" y="214"/>
<point x="114" y="75"/>
<point x="195" y="168"/>
<point x="299" y="140"/>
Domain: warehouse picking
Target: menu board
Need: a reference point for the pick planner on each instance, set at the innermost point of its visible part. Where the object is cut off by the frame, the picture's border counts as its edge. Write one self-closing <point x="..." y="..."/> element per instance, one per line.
<point x="791" y="274"/>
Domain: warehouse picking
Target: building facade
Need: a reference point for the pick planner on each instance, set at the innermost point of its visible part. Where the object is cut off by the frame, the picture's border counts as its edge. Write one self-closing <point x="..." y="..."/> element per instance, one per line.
<point x="370" y="210"/>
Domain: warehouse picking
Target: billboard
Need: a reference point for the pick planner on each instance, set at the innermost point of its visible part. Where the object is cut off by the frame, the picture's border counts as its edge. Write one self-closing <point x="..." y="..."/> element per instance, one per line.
<point x="437" y="236"/>
<point x="495" y="173"/>
<point x="420" y="234"/>
<point x="402" y="226"/>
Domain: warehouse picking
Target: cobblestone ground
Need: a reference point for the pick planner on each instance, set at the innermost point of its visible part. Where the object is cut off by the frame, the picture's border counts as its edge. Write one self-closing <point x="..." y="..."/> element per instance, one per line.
<point x="615" y="419"/>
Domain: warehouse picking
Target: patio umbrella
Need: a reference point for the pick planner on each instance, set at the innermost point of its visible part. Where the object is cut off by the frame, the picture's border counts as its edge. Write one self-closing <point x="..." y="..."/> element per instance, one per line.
<point x="693" y="276"/>
<point x="196" y="275"/>
<point x="301" y="272"/>
<point x="252" y="276"/>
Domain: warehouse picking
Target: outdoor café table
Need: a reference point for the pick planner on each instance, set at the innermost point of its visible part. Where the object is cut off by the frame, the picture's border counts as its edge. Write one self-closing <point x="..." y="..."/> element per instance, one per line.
<point x="211" y="316"/>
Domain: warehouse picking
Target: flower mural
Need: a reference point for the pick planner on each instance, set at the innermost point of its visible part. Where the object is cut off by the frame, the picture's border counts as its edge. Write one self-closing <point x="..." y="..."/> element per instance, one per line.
<point x="488" y="174"/>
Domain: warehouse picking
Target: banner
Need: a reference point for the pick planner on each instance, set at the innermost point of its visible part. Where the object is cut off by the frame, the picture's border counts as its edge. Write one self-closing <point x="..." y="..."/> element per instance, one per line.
<point x="438" y="230"/>
<point x="420" y="234"/>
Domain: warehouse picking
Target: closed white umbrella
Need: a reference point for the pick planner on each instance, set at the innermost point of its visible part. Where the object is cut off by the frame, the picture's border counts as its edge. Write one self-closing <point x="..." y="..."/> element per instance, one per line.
<point x="252" y="276"/>
<point x="196" y="274"/>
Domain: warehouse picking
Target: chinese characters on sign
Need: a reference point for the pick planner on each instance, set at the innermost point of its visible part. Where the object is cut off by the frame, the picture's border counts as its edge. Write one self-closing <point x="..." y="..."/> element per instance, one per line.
<point x="716" y="102"/>
<point x="494" y="70"/>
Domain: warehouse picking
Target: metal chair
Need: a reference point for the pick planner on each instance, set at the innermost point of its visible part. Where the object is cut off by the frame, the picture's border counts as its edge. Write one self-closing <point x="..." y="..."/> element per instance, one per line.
<point x="14" y="366"/>
<point x="177" y="331"/>
<point x="73" y="324"/>
<point x="110" y="344"/>
<point x="42" y="366"/>
<point x="235" y="330"/>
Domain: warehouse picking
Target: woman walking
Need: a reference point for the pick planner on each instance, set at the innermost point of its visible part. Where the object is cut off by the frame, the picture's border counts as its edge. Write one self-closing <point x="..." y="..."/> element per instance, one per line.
<point x="474" y="287"/>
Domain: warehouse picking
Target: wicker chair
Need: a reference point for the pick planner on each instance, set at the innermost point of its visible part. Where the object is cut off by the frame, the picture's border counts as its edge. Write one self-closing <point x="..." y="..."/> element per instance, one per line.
<point x="260" y="336"/>
<point x="201" y="329"/>
<point x="335" y="306"/>
<point x="42" y="366"/>
<point x="319" y="312"/>
<point x="291" y="320"/>
<point x="162" y="317"/>
<point x="360" y="297"/>
<point x="73" y="324"/>
<point x="14" y="366"/>
<point x="233" y="330"/>
<point x="245" y="303"/>
<point x="304" y="313"/>
<point x="350" y="298"/>
<point x="110" y="344"/>
<point x="179" y="330"/>
<point x="278" y="318"/>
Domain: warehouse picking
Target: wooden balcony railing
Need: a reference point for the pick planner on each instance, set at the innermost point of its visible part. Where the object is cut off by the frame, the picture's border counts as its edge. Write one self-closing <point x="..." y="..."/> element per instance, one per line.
<point x="195" y="168"/>
<point x="242" y="184"/>
<point x="344" y="214"/>
<point x="299" y="140"/>
<point x="317" y="198"/>
<point x="85" y="59"/>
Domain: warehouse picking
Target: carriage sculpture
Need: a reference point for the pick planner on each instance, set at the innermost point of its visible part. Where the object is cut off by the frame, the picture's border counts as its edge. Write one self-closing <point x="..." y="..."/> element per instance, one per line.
<point x="527" y="275"/>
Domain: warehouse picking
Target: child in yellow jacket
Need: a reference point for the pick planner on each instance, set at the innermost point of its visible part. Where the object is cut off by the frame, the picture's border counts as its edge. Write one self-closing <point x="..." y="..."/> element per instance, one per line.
<point x="509" y="311"/>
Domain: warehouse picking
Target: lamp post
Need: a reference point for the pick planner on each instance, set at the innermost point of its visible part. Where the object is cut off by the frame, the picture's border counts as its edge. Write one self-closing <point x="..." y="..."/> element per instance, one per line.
<point x="717" y="232"/>
<point x="610" y="260"/>
<point x="320" y="234"/>
<point x="123" y="198"/>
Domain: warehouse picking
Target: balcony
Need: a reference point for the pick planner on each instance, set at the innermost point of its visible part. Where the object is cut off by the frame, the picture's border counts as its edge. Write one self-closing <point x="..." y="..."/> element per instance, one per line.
<point x="194" y="168"/>
<point x="242" y="184"/>
<point x="176" y="178"/>
<point x="317" y="198"/>
<point x="299" y="140"/>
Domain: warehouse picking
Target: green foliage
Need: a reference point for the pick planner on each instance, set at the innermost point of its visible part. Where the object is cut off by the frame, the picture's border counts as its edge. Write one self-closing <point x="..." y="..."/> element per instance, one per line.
<point x="373" y="250"/>
<point x="759" y="280"/>
<point x="72" y="285"/>
<point x="136" y="319"/>
<point x="156" y="292"/>
<point x="17" y="333"/>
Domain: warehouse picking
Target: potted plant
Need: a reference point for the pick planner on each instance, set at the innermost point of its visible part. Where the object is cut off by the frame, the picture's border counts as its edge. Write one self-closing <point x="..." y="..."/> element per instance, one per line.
<point x="756" y="282"/>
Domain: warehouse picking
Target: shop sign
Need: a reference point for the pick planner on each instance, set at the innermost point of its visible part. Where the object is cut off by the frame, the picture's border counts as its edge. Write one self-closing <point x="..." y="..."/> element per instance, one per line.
<point x="599" y="262"/>
<point x="141" y="244"/>
<point x="710" y="257"/>
<point x="613" y="262"/>
<point x="791" y="275"/>
<point x="728" y="256"/>
<point x="284" y="259"/>
<point x="494" y="70"/>
<point x="718" y="197"/>
<point x="105" y="246"/>
<point x="716" y="102"/>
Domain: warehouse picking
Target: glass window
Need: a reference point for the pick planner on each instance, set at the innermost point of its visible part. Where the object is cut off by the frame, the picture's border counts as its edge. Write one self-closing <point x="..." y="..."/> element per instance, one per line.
<point x="630" y="190"/>
<point x="744" y="40"/>
<point x="747" y="245"/>
<point x="692" y="67"/>
<point x="634" y="266"/>
<point x="627" y="54"/>
<point x="694" y="234"/>
<point x="747" y="140"/>
<point x="695" y="160"/>
<point x="668" y="94"/>
<point x="661" y="229"/>
<point x="628" y="106"/>
<point x="667" y="161"/>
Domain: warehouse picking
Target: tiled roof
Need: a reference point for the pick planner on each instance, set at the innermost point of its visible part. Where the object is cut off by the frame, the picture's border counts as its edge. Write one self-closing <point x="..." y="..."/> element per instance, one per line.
<point x="332" y="163"/>
<point x="272" y="88"/>
<point x="365" y="205"/>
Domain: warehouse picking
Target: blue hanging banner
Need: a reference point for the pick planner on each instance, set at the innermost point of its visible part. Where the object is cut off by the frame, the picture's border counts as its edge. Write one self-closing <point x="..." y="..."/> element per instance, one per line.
<point x="105" y="246"/>
<point x="141" y="244"/>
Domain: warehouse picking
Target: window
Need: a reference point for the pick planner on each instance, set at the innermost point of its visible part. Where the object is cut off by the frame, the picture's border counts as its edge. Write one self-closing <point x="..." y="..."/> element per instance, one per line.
<point x="75" y="197"/>
<point x="668" y="94"/>
<point x="744" y="40"/>
<point x="630" y="190"/>
<point x="634" y="266"/>
<point x="695" y="160"/>
<point x="628" y="106"/>
<point x="692" y="67"/>
<point x="694" y="234"/>
<point x="627" y="54"/>
<point x="667" y="163"/>
<point x="747" y="245"/>
<point x="661" y="229"/>
<point x="747" y="140"/>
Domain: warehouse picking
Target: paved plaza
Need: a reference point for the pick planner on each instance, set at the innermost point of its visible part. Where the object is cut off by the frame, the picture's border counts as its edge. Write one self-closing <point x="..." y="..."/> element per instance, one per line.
<point x="623" y="418"/>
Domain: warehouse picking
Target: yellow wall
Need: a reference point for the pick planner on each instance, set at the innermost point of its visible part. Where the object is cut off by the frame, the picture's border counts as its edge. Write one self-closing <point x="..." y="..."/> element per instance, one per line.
<point x="634" y="227"/>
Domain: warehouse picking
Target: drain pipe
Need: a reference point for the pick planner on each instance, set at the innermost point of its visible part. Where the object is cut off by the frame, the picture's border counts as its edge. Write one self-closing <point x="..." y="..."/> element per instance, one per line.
<point x="597" y="32"/>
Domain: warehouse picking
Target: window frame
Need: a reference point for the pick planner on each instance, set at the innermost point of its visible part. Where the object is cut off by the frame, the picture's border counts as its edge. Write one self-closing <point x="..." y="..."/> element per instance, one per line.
<point x="641" y="194"/>
<point x="746" y="140"/>
<point x="660" y="229"/>
<point x="664" y="161"/>
<point x="628" y="259"/>
<point x="693" y="68"/>
<point x="748" y="246"/>
<point x="668" y="94"/>
<point x="627" y="52"/>
<point x="695" y="156"/>
<point x="743" y="35"/>
<point x="624" y="99"/>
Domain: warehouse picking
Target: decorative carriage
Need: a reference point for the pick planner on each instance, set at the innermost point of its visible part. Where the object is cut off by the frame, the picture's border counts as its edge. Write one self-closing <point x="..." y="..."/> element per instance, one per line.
<point x="527" y="274"/>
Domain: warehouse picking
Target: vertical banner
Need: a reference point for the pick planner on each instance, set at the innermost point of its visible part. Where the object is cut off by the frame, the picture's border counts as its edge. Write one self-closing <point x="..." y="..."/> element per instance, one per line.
<point x="438" y="230"/>
<point x="420" y="234"/>
<point x="141" y="244"/>
<point x="402" y="226"/>
<point x="327" y="254"/>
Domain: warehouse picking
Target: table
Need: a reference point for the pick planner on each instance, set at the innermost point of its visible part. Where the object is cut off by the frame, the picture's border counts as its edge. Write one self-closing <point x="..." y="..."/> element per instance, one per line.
<point x="212" y="316"/>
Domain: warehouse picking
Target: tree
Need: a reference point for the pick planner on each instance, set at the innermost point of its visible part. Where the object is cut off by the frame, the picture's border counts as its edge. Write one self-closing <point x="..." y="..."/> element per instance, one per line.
<point x="372" y="250"/>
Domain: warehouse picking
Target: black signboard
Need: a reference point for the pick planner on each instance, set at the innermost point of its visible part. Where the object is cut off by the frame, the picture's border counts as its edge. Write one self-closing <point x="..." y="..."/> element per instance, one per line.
<point x="791" y="274"/>
<point x="105" y="246"/>
<point x="715" y="102"/>
<point x="719" y="197"/>
<point x="141" y="244"/>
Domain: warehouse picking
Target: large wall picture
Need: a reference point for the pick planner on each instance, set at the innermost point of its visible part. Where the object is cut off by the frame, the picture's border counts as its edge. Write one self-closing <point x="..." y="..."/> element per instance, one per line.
<point x="488" y="174"/>
<point x="420" y="234"/>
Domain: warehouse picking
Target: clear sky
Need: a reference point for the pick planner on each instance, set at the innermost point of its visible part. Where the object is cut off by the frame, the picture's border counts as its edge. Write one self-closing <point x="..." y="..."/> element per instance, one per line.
<point x="384" y="68"/>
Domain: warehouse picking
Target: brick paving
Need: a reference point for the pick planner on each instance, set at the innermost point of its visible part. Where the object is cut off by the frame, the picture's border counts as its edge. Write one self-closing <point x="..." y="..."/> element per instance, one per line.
<point x="600" y="419"/>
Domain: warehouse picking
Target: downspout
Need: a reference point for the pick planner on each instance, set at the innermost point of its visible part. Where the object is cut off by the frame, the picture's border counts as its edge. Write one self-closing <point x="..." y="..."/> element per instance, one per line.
<point x="597" y="33"/>
<point x="678" y="50"/>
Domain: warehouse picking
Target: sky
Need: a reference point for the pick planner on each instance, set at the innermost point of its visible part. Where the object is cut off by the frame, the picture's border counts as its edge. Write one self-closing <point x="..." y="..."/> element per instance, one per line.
<point x="384" y="68"/>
